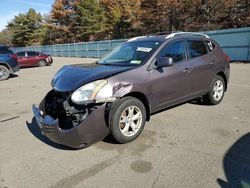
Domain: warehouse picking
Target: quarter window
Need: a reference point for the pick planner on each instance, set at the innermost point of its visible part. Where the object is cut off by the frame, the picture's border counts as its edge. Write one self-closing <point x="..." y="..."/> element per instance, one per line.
<point x="210" y="45"/>
<point x="196" y="48"/>
<point x="176" y="51"/>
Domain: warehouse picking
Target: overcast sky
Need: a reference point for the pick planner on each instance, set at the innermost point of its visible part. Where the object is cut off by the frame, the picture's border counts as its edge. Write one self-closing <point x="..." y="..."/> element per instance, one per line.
<point x="10" y="8"/>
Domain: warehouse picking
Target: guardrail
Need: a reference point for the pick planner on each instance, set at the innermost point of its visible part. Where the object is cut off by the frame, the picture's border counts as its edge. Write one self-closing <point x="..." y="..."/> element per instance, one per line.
<point x="235" y="42"/>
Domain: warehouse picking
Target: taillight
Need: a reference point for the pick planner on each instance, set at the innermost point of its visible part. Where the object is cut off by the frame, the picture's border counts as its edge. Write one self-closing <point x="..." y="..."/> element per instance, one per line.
<point x="227" y="58"/>
<point x="13" y="56"/>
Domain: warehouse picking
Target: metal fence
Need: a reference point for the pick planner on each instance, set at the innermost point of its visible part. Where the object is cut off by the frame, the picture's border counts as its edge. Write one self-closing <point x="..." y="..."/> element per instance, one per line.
<point x="81" y="49"/>
<point x="235" y="42"/>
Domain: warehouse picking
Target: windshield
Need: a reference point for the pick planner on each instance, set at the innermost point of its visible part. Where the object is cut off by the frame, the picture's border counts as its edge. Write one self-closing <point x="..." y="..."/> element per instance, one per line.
<point x="130" y="53"/>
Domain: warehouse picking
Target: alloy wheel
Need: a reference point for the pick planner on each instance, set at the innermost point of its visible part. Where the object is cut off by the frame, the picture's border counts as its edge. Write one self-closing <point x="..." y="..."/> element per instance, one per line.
<point x="218" y="90"/>
<point x="3" y="73"/>
<point x="130" y="121"/>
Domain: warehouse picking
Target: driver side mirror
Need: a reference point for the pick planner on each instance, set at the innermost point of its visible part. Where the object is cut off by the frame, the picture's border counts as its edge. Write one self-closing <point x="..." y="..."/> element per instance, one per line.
<point x="164" y="62"/>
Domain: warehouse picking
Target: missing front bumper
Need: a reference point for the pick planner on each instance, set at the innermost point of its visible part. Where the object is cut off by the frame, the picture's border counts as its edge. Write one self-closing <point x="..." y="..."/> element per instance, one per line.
<point x="89" y="131"/>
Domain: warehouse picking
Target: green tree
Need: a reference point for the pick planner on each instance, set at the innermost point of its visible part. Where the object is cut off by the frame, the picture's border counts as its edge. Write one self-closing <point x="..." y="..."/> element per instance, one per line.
<point x="6" y="37"/>
<point x="89" y="20"/>
<point x="27" y="29"/>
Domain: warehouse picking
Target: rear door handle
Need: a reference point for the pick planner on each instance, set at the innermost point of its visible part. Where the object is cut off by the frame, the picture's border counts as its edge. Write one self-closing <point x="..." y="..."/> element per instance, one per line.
<point x="212" y="62"/>
<point x="186" y="70"/>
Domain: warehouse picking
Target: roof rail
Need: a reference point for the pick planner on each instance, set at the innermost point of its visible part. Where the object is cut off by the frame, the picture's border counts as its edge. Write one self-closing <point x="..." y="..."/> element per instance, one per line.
<point x="189" y="33"/>
<point x="132" y="39"/>
<point x="140" y="37"/>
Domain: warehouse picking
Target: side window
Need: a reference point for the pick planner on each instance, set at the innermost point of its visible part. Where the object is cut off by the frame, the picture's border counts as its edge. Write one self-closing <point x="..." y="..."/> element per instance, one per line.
<point x="196" y="48"/>
<point x="176" y="51"/>
<point x="210" y="45"/>
<point x="32" y="54"/>
<point x="5" y="50"/>
<point x="21" y="54"/>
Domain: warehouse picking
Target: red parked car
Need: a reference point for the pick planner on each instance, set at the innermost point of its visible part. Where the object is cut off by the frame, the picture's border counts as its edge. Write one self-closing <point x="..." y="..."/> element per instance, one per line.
<point x="33" y="59"/>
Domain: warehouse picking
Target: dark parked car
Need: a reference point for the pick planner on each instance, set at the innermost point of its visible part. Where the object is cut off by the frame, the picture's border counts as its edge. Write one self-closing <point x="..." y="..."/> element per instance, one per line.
<point x="33" y="59"/>
<point x="117" y="94"/>
<point x="8" y="62"/>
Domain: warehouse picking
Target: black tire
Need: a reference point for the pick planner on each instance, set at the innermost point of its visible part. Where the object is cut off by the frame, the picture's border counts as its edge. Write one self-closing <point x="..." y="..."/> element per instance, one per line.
<point x="211" y="98"/>
<point x="4" y="73"/>
<point x="118" y="110"/>
<point x="41" y="63"/>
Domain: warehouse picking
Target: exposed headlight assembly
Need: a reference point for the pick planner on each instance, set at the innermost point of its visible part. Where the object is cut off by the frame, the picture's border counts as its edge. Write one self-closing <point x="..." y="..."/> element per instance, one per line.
<point x="88" y="93"/>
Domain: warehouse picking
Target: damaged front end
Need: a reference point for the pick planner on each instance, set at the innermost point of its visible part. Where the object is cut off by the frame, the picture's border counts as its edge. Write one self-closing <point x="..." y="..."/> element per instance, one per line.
<point x="67" y="123"/>
<point x="74" y="113"/>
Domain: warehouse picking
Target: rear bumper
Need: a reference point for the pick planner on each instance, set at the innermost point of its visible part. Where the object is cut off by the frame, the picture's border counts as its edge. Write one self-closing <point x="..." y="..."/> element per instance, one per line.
<point x="89" y="131"/>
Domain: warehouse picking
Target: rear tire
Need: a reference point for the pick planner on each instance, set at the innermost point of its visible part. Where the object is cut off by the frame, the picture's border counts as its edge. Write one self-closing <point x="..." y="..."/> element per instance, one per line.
<point x="4" y="73"/>
<point x="127" y="119"/>
<point x="41" y="63"/>
<point x="216" y="93"/>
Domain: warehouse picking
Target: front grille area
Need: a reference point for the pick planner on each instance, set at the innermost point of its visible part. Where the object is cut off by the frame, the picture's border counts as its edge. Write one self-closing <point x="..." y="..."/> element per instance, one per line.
<point x="55" y="103"/>
<point x="49" y="129"/>
<point x="59" y="106"/>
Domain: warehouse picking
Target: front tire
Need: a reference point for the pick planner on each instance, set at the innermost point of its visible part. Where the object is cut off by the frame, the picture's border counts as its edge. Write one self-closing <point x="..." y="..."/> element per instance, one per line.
<point x="41" y="63"/>
<point x="217" y="91"/>
<point x="127" y="119"/>
<point x="4" y="73"/>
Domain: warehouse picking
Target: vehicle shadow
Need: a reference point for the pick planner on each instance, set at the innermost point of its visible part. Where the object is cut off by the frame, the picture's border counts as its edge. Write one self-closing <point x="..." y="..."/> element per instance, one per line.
<point x="199" y="101"/>
<point x="236" y="164"/>
<point x="34" y="129"/>
<point x="109" y="140"/>
<point x="13" y="75"/>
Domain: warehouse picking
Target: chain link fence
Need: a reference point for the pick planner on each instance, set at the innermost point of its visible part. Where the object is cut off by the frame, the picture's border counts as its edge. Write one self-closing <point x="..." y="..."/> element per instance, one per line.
<point x="83" y="49"/>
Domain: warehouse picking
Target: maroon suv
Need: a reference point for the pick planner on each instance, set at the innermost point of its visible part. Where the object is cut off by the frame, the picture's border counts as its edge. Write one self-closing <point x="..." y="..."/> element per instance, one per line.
<point x="117" y="94"/>
<point x="33" y="59"/>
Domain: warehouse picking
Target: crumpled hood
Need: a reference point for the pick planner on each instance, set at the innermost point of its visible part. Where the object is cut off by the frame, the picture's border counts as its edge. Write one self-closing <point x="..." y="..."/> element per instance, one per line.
<point x="71" y="77"/>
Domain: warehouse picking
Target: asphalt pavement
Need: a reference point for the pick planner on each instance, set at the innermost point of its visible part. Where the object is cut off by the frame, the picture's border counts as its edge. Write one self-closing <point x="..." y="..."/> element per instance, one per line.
<point x="190" y="145"/>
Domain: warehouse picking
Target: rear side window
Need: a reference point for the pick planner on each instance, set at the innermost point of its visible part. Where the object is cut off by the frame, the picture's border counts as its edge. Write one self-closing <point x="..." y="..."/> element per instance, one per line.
<point x="176" y="51"/>
<point x="32" y="54"/>
<point x="5" y="50"/>
<point x="196" y="48"/>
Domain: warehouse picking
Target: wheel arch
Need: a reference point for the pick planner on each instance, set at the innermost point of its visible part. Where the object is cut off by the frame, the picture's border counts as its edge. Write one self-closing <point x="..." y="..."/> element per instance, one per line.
<point x="222" y="74"/>
<point x="6" y="65"/>
<point x="140" y="96"/>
